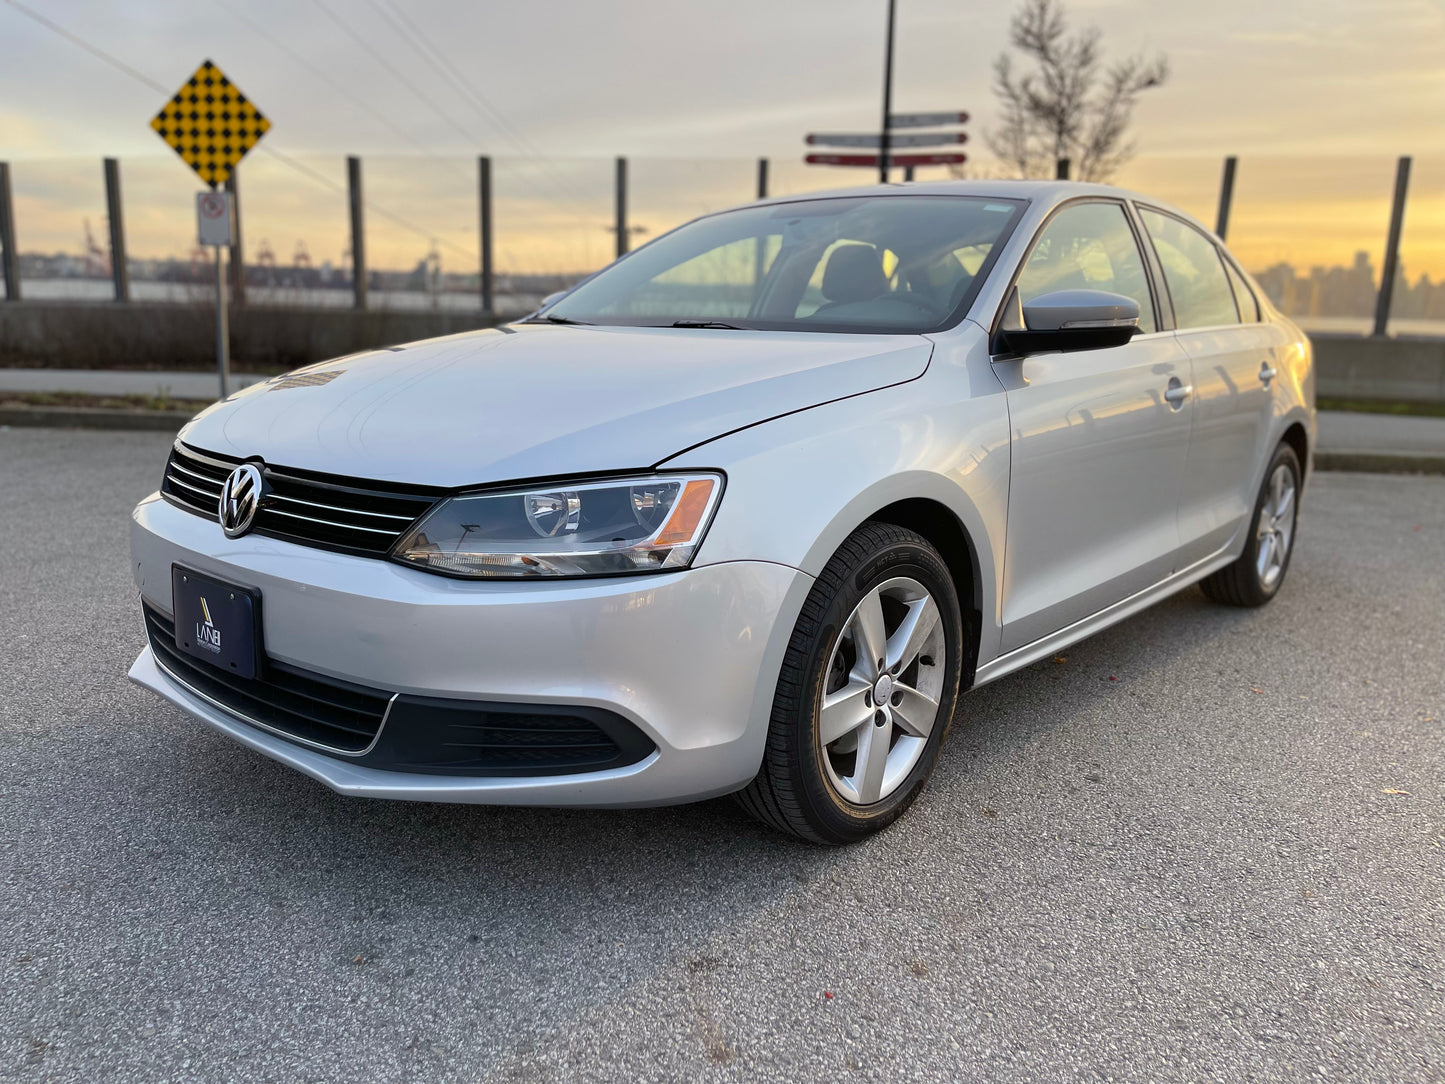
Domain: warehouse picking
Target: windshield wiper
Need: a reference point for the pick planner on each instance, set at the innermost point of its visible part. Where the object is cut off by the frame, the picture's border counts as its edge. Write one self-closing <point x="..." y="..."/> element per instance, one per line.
<point x="557" y="320"/>
<point x="710" y="323"/>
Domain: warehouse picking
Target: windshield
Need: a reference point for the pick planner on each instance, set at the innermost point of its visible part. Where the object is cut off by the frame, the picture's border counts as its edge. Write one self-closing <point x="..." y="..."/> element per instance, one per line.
<point x="875" y="264"/>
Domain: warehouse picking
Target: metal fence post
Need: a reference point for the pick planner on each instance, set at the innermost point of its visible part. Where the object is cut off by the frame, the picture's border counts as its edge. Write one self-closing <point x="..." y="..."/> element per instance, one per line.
<point x="358" y="234"/>
<point x="119" y="266"/>
<point x="484" y="197"/>
<point x="1392" y="249"/>
<point x="1226" y="196"/>
<point x="9" y="258"/>
<point x="621" y="225"/>
<point x="238" y="261"/>
<point x="762" y="178"/>
<point x="1061" y="170"/>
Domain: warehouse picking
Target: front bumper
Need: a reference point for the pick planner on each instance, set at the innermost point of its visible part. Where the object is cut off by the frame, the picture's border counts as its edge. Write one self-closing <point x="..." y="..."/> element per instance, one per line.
<point x="690" y="658"/>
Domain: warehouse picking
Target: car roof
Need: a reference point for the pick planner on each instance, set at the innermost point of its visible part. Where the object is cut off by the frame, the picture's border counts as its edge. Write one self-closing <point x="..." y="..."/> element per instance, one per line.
<point x="1045" y="193"/>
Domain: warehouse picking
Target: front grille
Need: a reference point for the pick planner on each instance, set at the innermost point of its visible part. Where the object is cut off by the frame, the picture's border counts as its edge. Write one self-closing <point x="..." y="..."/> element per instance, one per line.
<point x="301" y="704"/>
<point x="426" y="734"/>
<point x="305" y="507"/>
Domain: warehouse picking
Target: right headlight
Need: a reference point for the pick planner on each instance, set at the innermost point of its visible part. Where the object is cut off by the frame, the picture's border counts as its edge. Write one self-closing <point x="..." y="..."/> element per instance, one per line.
<point x="651" y="523"/>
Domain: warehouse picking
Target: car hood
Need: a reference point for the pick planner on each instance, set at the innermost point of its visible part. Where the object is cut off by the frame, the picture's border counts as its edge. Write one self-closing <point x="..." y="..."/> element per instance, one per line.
<point x="531" y="401"/>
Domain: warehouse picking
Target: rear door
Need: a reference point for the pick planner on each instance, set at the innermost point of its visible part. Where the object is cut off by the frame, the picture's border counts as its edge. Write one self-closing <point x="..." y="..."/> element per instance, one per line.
<point x="1232" y="356"/>
<point x="1098" y="450"/>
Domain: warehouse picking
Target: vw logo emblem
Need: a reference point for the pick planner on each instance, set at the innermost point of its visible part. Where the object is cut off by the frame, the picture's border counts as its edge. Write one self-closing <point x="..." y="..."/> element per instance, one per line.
<point x="240" y="498"/>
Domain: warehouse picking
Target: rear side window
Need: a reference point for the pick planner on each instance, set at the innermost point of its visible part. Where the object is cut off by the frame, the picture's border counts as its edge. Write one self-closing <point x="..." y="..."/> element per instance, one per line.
<point x="1088" y="246"/>
<point x="1193" y="271"/>
<point x="1243" y="295"/>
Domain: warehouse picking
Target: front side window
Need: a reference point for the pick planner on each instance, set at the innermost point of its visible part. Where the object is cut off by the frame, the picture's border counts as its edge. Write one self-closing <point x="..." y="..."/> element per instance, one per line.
<point x="861" y="264"/>
<point x="1088" y="246"/>
<point x="1193" y="271"/>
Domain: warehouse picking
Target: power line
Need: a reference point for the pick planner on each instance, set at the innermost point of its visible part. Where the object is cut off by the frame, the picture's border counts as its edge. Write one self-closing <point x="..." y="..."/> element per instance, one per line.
<point x="320" y="178"/>
<point x="413" y="35"/>
<point x="352" y="33"/>
<point x="309" y="66"/>
<point x="89" y="48"/>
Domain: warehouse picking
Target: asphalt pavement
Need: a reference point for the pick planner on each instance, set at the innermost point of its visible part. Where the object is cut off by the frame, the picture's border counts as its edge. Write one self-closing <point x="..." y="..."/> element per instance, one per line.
<point x="1205" y="845"/>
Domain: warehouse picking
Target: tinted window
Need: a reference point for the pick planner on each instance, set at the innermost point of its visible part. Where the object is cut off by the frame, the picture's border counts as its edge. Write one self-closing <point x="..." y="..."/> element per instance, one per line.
<point x="1193" y="271"/>
<point x="1088" y="246"/>
<point x="1243" y="295"/>
<point x="869" y="264"/>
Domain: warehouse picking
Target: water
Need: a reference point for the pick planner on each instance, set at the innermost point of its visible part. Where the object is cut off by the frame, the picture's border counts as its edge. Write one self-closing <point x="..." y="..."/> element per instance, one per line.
<point x="509" y="304"/>
<point x="191" y="293"/>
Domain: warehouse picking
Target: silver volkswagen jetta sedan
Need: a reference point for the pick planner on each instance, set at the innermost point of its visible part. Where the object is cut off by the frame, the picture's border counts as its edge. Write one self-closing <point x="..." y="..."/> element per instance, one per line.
<point x="745" y="512"/>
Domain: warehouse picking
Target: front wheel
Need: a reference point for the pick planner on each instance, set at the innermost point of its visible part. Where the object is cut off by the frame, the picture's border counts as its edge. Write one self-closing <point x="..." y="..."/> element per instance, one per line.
<point x="1256" y="577"/>
<point x="867" y="689"/>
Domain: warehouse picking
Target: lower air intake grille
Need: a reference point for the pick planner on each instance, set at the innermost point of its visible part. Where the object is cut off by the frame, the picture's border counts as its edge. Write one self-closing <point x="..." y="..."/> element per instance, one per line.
<point x="423" y="734"/>
<point x="346" y="514"/>
<point x="299" y="704"/>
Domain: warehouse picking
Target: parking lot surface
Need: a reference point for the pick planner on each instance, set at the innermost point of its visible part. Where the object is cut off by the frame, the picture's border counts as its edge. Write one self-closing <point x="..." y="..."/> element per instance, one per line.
<point x="1205" y="845"/>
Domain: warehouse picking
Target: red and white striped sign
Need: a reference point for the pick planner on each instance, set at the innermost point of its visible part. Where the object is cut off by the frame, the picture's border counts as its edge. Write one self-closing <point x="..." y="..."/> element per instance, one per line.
<point x="902" y="160"/>
<point x="925" y="120"/>
<point x="912" y="139"/>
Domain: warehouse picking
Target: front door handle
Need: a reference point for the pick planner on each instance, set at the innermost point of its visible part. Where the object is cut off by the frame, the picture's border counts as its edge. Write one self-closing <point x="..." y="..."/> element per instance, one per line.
<point x="1177" y="393"/>
<point x="1266" y="373"/>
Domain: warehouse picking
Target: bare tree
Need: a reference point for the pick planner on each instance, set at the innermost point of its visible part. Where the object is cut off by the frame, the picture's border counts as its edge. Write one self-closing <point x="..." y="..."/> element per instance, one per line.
<point x="1068" y="106"/>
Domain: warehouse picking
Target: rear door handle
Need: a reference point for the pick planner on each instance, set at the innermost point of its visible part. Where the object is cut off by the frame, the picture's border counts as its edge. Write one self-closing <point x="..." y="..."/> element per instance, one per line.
<point x="1177" y="393"/>
<point x="1267" y="373"/>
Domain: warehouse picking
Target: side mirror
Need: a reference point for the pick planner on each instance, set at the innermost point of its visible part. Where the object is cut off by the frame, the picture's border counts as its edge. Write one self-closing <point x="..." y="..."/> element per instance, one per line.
<point x="1072" y="320"/>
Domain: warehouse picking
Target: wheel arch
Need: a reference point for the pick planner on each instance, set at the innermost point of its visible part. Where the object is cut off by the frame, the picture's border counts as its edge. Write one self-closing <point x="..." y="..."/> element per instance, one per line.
<point x="946" y="533"/>
<point x="1298" y="439"/>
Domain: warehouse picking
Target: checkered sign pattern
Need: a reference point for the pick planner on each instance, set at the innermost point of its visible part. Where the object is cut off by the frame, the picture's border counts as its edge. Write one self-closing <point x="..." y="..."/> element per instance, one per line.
<point x="210" y="124"/>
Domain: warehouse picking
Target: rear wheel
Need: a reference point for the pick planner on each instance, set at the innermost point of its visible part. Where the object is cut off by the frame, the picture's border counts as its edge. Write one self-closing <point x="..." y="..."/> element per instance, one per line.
<point x="1256" y="577"/>
<point x="866" y="692"/>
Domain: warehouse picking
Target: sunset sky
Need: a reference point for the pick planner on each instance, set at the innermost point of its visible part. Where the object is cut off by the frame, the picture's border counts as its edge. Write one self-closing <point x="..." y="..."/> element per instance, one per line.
<point x="1317" y="97"/>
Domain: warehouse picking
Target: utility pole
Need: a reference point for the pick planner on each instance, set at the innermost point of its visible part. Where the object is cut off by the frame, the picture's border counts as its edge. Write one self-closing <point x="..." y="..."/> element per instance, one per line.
<point x="484" y="193"/>
<point x="358" y="233"/>
<point x="887" y="98"/>
<point x="1391" y="268"/>
<point x="1226" y="196"/>
<point x="621" y="210"/>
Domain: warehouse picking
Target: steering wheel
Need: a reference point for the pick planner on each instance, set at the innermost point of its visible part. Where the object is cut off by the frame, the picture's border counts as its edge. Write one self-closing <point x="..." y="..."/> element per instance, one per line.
<point x="918" y="303"/>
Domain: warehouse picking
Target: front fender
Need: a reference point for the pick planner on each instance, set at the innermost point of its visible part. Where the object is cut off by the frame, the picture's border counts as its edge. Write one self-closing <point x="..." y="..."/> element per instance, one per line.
<point x="799" y="485"/>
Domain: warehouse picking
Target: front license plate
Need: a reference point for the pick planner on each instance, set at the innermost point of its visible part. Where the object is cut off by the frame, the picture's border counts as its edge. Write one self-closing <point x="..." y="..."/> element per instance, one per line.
<point x="216" y="622"/>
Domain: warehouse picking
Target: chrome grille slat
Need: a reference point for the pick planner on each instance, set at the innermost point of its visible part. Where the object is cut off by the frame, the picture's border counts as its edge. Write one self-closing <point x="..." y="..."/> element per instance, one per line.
<point x="361" y="518"/>
<point x="196" y="489"/>
<point x="337" y="508"/>
<point x="331" y="523"/>
<point x="208" y="479"/>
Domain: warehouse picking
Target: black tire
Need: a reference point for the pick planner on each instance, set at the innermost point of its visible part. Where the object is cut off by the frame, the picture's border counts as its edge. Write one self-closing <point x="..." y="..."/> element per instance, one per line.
<point x="792" y="791"/>
<point x="1240" y="584"/>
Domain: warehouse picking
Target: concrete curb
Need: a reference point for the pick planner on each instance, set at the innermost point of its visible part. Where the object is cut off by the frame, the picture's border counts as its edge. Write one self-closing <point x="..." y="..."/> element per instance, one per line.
<point x="157" y="421"/>
<point x="1380" y="462"/>
<point x="93" y="418"/>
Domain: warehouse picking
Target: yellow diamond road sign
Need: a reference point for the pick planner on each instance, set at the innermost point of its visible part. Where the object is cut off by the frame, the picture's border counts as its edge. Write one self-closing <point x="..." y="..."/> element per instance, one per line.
<point x="210" y="124"/>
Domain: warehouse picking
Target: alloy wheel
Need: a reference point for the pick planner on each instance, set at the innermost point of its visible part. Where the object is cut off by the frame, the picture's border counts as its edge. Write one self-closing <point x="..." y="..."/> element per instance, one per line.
<point x="881" y="691"/>
<point x="1275" y="529"/>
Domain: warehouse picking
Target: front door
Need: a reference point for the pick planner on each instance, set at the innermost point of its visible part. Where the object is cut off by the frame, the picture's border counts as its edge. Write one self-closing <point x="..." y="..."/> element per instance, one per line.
<point x="1098" y="444"/>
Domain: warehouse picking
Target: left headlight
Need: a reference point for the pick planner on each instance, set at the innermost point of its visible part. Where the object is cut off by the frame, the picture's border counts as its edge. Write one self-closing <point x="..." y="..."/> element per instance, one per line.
<point x="652" y="523"/>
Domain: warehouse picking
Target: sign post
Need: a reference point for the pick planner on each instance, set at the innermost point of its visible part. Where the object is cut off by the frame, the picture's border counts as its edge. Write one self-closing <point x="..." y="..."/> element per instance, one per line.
<point x="213" y="229"/>
<point x="211" y="125"/>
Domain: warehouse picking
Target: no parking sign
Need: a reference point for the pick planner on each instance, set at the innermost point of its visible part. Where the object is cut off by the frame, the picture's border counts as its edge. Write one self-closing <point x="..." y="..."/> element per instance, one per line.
<point x="213" y="218"/>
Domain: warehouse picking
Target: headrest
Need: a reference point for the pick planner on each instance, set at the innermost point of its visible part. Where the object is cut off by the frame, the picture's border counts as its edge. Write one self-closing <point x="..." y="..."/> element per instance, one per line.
<point x="854" y="273"/>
